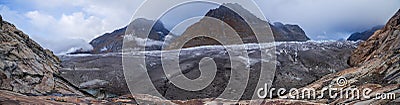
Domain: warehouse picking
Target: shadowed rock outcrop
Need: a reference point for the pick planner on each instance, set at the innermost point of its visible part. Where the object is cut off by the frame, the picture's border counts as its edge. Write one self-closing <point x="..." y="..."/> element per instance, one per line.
<point x="231" y="15"/>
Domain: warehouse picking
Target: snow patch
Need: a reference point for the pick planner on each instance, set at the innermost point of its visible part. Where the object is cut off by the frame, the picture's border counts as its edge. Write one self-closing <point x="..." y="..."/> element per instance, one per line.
<point x="103" y="49"/>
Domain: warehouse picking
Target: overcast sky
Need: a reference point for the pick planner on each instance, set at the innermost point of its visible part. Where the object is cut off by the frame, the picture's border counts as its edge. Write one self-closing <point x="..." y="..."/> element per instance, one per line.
<point x="64" y="24"/>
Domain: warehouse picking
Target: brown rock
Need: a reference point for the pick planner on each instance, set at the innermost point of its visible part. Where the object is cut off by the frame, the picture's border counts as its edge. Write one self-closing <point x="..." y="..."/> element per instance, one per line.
<point x="377" y="66"/>
<point x="25" y="67"/>
<point x="383" y="42"/>
<point x="239" y="19"/>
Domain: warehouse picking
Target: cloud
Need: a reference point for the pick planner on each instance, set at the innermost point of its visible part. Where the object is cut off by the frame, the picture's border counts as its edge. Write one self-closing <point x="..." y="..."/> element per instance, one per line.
<point x="92" y="18"/>
<point x="70" y="31"/>
<point x="333" y="17"/>
<point x="63" y="45"/>
<point x="12" y="16"/>
<point x="40" y="20"/>
<point x="67" y="24"/>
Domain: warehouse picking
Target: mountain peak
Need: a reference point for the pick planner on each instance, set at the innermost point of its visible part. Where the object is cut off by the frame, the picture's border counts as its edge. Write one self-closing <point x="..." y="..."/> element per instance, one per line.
<point x="365" y="34"/>
<point x="240" y="19"/>
<point x="233" y="9"/>
<point x="234" y="6"/>
<point x="112" y="42"/>
<point x="394" y="22"/>
<point x="278" y="24"/>
<point x="382" y="42"/>
<point x="1" y="21"/>
<point x="231" y="4"/>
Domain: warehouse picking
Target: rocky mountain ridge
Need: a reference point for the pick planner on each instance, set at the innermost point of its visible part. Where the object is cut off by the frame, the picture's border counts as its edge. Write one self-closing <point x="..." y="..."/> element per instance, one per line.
<point x="231" y="15"/>
<point x="25" y="67"/>
<point x="288" y="32"/>
<point x="112" y="42"/>
<point x="282" y="32"/>
<point x="365" y="34"/>
<point x="375" y="65"/>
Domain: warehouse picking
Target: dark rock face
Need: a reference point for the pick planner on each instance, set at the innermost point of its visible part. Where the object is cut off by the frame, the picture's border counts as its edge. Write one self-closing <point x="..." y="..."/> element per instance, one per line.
<point x="112" y="42"/>
<point x="234" y="20"/>
<point x="299" y="64"/>
<point x="1" y="19"/>
<point x="364" y="35"/>
<point x="240" y="26"/>
<point x="281" y="32"/>
<point x="25" y="67"/>
<point x="108" y="42"/>
<point x="288" y="32"/>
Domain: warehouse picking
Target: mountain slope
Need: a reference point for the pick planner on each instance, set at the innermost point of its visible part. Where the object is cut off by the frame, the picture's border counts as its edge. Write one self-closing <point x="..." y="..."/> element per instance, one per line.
<point x="25" y="67"/>
<point x="288" y="32"/>
<point x="364" y="35"/>
<point x="376" y="66"/>
<point x="239" y="25"/>
<point x="112" y="42"/>
<point x="281" y="32"/>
